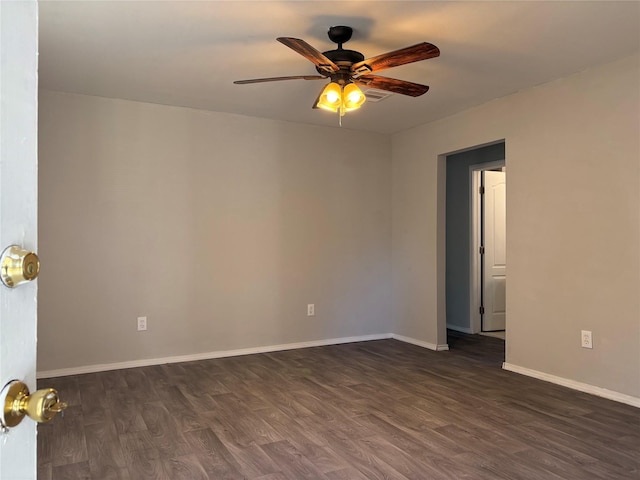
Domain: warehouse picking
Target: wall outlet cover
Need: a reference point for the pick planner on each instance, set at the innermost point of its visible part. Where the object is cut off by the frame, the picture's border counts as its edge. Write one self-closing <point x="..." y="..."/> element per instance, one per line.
<point x="142" y="323"/>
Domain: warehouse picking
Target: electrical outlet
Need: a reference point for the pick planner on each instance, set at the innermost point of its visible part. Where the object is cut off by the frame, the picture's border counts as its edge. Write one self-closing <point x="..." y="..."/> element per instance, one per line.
<point x="142" y="323"/>
<point x="587" y="340"/>
<point x="311" y="310"/>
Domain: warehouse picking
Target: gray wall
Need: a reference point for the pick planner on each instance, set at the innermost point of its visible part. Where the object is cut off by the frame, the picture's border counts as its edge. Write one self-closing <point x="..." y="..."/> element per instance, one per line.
<point x="459" y="230"/>
<point x="219" y="228"/>
<point x="573" y="224"/>
<point x="222" y="228"/>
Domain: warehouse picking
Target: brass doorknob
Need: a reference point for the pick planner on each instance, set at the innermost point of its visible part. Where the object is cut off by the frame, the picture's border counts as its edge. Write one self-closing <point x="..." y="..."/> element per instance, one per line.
<point x="18" y="266"/>
<point x="40" y="406"/>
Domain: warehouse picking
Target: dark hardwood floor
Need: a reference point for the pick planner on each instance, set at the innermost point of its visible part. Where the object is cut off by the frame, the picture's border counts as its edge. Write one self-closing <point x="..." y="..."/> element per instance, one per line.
<point x="373" y="410"/>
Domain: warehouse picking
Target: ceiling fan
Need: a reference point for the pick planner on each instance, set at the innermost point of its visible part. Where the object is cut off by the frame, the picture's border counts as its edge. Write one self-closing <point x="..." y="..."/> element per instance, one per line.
<point x="347" y="68"/>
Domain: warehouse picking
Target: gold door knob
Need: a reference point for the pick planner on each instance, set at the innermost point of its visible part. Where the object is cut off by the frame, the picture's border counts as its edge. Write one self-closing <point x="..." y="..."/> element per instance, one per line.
<point x="40" y="406"/>
<point x="18" y="266"/>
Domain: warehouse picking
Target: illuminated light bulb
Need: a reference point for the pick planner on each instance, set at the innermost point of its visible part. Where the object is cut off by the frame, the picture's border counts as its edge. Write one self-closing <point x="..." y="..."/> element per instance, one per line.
<point x="330" y="98"/>
<point x="333" y="97"/>
<point x="353" y="97"/>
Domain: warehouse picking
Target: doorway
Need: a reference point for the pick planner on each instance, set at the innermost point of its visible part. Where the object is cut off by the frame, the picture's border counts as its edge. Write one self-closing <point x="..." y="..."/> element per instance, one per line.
<point x="469" y="295"/>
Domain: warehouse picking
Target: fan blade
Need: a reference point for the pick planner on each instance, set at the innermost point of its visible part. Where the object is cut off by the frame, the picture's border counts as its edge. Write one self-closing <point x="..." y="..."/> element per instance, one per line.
<point x="307" y="51"/>
<point x="277" y="79"/>
<point x="415" y="53"/>
<point x="392" y="85"/>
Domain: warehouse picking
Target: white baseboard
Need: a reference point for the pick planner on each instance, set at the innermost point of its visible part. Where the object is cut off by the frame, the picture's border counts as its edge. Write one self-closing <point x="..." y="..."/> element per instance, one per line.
<point x="420" y="343"/>
<point x="103" y="367"/>
<point x="459" y="329"/>
<point x="63" y="372"/>
<point x="582" y="387"/>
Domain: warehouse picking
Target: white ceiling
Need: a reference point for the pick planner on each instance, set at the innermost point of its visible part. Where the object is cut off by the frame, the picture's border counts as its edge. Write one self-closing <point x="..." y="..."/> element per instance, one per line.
<point x="188" y="53"/>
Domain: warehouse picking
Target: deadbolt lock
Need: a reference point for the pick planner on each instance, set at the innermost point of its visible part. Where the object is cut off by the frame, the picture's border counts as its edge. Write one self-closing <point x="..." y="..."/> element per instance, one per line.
<point x="18" y="266"/>
<point x="40" y="406"/>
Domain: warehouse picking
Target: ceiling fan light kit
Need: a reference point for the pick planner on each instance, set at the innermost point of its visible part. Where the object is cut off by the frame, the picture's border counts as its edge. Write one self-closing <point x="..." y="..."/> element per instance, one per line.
<point x="338" y="98"/>
<point x="346" y="69"/>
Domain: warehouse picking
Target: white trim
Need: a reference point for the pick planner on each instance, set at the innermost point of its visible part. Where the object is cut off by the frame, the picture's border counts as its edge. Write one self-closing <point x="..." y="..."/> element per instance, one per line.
<point x="205" y="356"/>
<point x="459" y="329"/>
<point x="582" y="387"/>
<point x="420" y="343"/>
<point x="232" y="353"/>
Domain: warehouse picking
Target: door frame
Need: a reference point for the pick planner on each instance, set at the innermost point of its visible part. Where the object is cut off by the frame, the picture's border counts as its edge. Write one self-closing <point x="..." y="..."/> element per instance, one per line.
<point x="475" y="270"/>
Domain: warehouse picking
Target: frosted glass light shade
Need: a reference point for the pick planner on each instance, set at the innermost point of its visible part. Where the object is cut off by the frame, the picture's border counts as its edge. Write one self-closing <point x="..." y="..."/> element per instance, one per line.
<point x="330" y="98"/>
<point x="352" y="97"/>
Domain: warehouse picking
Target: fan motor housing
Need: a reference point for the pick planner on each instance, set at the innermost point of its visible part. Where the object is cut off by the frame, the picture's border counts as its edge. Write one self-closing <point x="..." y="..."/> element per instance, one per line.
<point x="342" y="55"/>
<point x="343" y="58"/>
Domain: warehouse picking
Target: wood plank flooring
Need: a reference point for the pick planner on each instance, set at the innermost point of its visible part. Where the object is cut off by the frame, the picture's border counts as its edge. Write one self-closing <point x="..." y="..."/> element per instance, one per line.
<point x="372" y="410"/>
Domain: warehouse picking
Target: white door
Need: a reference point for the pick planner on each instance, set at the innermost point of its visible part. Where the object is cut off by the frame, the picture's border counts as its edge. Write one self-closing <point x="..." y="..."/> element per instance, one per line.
<point x="494" y="258"/>
<point x="18" y="218"/>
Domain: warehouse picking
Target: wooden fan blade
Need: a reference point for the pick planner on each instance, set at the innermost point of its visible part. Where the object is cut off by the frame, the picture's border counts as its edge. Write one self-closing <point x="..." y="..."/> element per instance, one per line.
<point x="277" y="79"/>
<point x="307" y="51"/>
<point x="415" y="53"/>
<point x="392" y="85"/>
